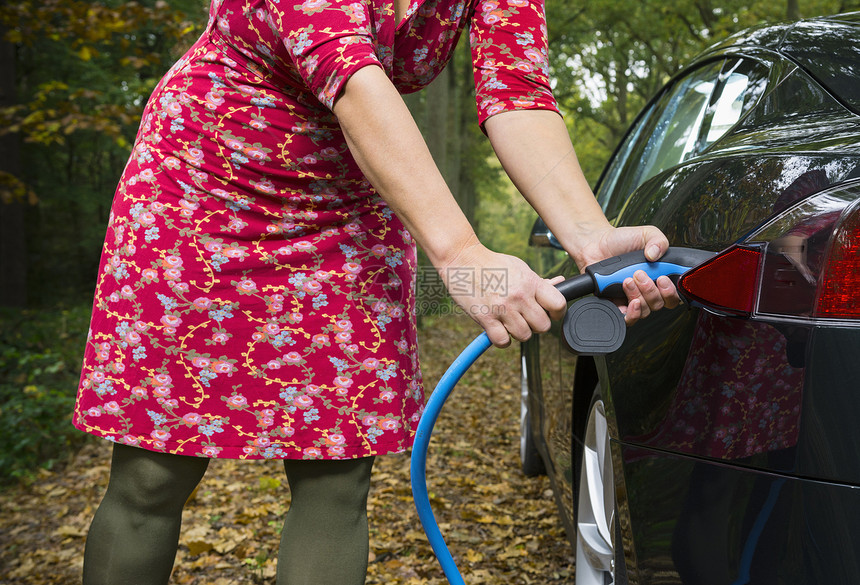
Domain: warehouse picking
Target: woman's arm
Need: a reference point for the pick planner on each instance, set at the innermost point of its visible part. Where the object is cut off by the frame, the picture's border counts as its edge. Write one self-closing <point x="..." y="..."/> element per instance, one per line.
<point x="535" y="149"/>
<point x="390" y="150"/>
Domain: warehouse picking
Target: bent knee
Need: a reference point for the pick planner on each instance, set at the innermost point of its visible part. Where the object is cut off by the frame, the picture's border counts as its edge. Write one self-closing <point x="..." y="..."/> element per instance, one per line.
<point x="154" y="482"/>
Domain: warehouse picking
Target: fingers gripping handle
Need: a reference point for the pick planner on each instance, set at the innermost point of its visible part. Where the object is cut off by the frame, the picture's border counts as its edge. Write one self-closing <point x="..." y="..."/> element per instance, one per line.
<point x="609" y="275"/>
<point x="594" y="326"/>
<point x="606" y="278"/>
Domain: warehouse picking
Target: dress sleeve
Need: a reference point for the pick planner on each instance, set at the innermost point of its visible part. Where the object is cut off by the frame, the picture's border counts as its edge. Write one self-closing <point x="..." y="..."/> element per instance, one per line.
<point x="509" y="53"/>
<point x="328" y="41"/>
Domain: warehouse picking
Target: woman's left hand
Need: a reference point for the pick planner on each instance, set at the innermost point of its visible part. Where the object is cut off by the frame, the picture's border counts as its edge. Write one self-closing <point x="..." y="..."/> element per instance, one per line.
<point x="643" y="294"/>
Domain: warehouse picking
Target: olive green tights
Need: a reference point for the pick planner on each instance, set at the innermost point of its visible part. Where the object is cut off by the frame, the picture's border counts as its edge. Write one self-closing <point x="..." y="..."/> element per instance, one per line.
<point x="135" y="532"/>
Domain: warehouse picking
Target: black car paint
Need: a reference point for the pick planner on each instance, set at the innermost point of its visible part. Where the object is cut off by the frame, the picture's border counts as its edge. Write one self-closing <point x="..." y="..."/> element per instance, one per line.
<point x="831" y="59"/>
<point x="788" y="526"/>
<point x="789" y="515"/>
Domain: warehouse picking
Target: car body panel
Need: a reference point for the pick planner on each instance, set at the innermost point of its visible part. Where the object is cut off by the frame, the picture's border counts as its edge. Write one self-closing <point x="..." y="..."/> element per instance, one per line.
<point x="832" y="58"/>
<point x="703" y="523"/>
<point x="735" y="441"/>
<point x="711" y="203"/>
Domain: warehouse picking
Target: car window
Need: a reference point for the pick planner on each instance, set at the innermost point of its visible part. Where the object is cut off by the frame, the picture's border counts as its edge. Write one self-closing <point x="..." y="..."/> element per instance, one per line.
<point x="741" y="84"/>
<point x="693" y="113"/>
<point x="669" y="133"/>
<point x="611" y="205"/>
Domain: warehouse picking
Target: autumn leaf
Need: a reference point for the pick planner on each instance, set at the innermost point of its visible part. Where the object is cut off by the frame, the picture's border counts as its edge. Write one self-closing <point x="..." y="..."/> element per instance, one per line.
<point x="196" y="547"/>
<point x="66" y="531"/>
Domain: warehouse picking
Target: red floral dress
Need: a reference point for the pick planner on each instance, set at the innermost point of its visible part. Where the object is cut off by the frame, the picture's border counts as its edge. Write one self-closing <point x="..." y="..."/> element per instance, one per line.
<point x="735" y="399"/>
<point x="256" y="296"/>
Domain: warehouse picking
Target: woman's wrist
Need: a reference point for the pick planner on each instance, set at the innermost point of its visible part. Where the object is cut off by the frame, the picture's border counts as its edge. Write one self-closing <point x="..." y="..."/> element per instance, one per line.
<point x="582" y="239"/>
<point x="449" y="249"/>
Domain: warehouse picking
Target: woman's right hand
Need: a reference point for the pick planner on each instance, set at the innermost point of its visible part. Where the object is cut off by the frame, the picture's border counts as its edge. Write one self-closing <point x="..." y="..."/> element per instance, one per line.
<point x="501" y="293"/>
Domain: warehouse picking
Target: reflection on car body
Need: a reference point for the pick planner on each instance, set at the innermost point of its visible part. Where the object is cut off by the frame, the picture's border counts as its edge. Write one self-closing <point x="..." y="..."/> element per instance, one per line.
<point x="719" y="444"/>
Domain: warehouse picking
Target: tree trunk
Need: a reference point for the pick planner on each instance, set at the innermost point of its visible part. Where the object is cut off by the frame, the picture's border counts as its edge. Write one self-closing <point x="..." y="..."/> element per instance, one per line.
<point x="13" y="250"/>
<point x="792" y="11"/>
<point x="467" y="195"/>
<point x="436" y="120"/>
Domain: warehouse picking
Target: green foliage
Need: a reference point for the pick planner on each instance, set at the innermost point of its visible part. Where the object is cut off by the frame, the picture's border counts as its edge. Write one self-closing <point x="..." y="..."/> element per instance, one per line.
<point x="40" y="357"/>
<point x="504" y="218"/>
<point x="87" y="66"/>
<point x="83" y="71"/>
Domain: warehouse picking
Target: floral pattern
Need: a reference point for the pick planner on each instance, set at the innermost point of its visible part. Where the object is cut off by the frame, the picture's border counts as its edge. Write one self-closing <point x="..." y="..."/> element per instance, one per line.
<point x="738" y="395"/>
<point x="255" y="297"/>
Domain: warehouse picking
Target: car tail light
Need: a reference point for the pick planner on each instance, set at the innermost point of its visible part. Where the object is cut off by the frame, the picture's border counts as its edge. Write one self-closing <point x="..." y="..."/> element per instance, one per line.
<point x="804" y="264"/>
<point x="841" y="275"/>
<point x="728" y="283"/>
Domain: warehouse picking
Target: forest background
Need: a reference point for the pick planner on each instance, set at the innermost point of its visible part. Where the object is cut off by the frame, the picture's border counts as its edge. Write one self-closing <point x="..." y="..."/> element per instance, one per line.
<point x="75" y="74"/>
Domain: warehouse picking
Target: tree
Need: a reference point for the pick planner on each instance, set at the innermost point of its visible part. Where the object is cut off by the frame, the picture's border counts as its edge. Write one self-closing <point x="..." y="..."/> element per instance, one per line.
<point x="792" y="10"/>
<point x="82" y="71"/>
<point x="13" y="267"/>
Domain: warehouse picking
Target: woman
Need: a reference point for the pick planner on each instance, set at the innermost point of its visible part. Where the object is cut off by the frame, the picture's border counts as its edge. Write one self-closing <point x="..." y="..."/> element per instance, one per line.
<point x="255" y="296"/>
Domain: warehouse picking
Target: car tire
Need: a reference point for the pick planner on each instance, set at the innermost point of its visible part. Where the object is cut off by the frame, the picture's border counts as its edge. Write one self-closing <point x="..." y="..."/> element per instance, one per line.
<point x="530" y="459"/>
<point x="598" y="560"/>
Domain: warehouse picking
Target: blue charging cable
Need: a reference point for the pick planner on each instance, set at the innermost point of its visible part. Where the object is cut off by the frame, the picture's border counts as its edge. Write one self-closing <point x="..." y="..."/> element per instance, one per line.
<point x="419" y="453"/>
<point x="604" y="279"/>
<point x="572" y="288"/>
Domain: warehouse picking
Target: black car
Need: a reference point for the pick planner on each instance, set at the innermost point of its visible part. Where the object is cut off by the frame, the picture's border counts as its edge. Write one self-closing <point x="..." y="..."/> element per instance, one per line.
<point x="721" y="443"/>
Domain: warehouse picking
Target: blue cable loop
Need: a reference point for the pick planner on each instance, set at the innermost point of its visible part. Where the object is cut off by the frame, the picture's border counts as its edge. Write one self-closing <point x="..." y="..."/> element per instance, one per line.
<point x="419" y="453"/>
<point x="572" y="288"/>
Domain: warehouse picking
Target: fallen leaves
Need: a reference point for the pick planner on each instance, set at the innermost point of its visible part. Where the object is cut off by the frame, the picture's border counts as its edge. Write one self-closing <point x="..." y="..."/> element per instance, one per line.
<point x="501" y="527"/>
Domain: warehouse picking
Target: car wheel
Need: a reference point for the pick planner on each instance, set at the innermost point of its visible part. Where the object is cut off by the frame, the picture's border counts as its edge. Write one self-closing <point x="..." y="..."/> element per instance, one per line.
<point x="530" y="459"/>
<point x="596" y="508"/>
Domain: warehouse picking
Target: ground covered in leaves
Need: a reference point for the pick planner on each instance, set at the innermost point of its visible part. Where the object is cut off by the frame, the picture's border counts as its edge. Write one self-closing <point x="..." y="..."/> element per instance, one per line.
<point x="501" y="526"/>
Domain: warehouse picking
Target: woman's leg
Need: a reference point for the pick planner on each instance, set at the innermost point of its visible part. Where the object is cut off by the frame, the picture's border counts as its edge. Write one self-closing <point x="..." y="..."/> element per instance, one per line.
<point x="325" y="537"/>
<point x="135" y="531"/>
